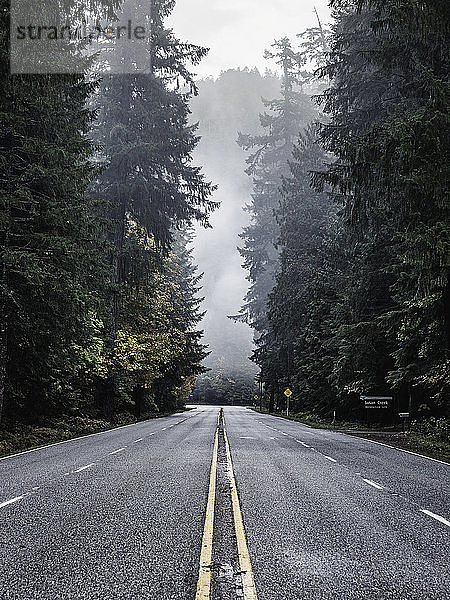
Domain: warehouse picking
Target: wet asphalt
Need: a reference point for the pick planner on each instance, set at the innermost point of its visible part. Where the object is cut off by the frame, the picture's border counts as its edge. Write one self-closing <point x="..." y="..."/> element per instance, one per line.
<point x="120" y="515"/>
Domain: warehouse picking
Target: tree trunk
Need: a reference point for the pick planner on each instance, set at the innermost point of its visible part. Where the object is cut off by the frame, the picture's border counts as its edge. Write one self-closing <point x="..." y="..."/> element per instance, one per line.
<point x="3" y="351"/>
<point x="138" y="397"/>
<point x="3" y="300"/>
<point x="117" y="277"/>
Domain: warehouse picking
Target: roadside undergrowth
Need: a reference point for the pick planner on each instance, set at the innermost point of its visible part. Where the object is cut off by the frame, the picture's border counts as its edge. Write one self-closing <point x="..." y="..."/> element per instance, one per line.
<point x="21" y="437"/>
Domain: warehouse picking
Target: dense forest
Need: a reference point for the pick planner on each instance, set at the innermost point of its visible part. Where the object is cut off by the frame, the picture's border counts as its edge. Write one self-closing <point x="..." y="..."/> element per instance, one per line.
<point x="344" y="240"/>
<point x="347" y="250"/>
<point x="99" y="292"/>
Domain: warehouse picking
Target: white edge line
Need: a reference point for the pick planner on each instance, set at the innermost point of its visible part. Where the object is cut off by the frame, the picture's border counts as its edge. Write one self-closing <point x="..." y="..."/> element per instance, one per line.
<point x="84" y="468"/>
<point x="395" y="448"/>
<point x="442" y="462"/>
<point x="81" y="437"/>
<point x="11" y="501"/>
<point x="329" y="458"/>
<point x="430" y="514"/>
<point x="117" y="451"/>
<point x="373" y="484"/>
<point x="303" y="444"/>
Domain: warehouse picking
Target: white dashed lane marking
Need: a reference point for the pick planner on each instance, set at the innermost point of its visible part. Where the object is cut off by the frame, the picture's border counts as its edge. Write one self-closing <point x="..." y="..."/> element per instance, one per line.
<point x="80" y="469"/>
<point x="11" y="501"/>
<point x="373" y="484"/>
<point x="117" y="451"/>
<point x="437" y="517"/>
<point x="84" y="468"/>
<point x="303" y="444"/>
<point x="369" y="481"/>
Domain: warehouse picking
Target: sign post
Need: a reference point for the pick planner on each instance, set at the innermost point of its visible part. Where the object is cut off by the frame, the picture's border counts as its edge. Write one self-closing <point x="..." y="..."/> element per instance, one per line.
<point x="288" y="394"/>
<point x="404" y="417"/>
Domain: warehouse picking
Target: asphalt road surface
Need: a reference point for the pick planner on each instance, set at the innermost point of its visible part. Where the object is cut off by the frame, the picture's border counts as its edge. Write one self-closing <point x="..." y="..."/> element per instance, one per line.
<point x="121" y="515"/>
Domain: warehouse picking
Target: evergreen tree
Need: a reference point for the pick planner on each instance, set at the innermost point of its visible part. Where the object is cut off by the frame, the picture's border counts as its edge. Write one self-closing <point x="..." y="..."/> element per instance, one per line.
<point x="89" y="284"/>
<point x="268" y="162"/>
<point x="297" y="310"/>
<point x="177" y="383"/>
<point x="156" y="353"/>
<point x="388" y="129"/>
<point x="148" y="178"/>
<point x="51" y="264"/>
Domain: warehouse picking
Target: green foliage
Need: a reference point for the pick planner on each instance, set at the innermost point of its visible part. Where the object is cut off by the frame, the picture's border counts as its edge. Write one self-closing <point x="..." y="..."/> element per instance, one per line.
<point x="267" y="163"/>
<point x="388" y="129"/>
<point x="51" y="260"/>
<point x="433" y="428"/>
<point x="99" y="304"/>
<point x="360" y="295"/>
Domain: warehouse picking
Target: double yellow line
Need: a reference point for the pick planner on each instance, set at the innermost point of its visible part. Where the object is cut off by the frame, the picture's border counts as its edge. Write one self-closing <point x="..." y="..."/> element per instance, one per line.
<point x="245" y="565"/>
<point x="206" y="555"/>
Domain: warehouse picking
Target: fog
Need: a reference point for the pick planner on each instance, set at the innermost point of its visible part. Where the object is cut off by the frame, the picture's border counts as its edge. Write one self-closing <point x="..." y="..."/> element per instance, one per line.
<point x="230" y="91"/>
<point x="223" y="107"/>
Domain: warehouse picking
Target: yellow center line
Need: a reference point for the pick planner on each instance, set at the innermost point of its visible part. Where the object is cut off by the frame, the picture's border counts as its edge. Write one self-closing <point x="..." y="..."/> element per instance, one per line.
<point x="248" y="582"/>
<point x="206" y="555"/>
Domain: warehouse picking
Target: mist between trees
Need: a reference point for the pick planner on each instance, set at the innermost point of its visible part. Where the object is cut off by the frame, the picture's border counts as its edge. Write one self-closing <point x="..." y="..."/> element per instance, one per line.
<point x="346" y="247"/>
<point x="340" y="166"/>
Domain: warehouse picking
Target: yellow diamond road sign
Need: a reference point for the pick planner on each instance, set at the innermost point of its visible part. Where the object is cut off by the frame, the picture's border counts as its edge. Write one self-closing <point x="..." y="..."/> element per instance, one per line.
<point x="256" y="397"/>
<point x="288" y="393"/>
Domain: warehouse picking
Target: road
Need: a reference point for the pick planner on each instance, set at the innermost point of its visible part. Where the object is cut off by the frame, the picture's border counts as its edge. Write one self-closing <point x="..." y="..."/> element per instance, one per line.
<point x="121" y="515"/>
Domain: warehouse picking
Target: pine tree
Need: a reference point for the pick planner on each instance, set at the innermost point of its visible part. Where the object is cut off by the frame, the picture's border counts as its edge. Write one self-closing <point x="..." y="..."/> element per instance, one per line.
<point x="177" y="383"/>
<point x="296" y="309"/>
<point x="51" y="262"/>
<point x="268" y="162"/>
<point x="148" y="178"/>
<point x="387" y="129"/>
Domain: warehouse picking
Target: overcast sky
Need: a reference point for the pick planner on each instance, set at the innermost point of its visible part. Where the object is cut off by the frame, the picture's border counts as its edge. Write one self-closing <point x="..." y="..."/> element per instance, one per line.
<point x="238" y="31"/>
